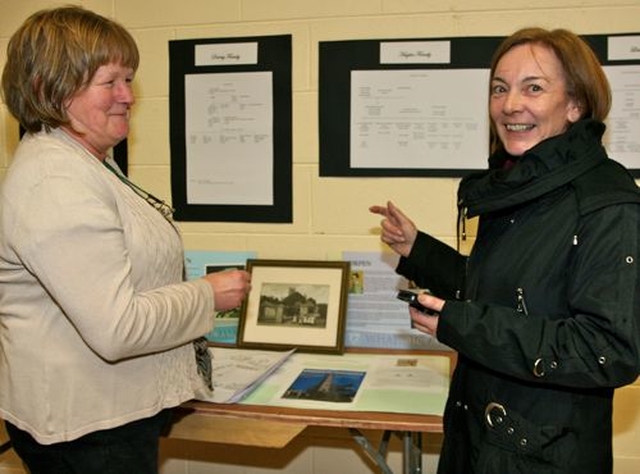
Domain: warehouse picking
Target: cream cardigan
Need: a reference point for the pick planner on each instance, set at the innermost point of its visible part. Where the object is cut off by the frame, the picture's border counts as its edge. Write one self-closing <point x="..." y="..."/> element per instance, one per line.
<point x="95" y="322"/>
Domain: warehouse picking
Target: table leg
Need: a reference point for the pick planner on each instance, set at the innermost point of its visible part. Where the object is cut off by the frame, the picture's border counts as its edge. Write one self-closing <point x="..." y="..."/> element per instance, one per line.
<point x="378" y="456"/>
<point x="412" y="452"/>
<point x="384" y="444"/>
<point x="5" y="447"/>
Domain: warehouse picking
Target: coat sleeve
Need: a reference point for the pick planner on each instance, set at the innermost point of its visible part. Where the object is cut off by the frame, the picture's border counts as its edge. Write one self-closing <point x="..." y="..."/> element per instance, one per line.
<point x="434" y="265"/>
<point x="595" y="344"/>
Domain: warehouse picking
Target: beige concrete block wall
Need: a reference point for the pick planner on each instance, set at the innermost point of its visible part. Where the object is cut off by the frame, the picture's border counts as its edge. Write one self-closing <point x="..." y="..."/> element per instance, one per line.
<point x="330" y="214"/>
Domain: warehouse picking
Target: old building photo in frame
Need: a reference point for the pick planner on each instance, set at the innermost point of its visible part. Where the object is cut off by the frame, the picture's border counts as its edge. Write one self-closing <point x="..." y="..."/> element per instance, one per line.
<point x="295" y="304"/>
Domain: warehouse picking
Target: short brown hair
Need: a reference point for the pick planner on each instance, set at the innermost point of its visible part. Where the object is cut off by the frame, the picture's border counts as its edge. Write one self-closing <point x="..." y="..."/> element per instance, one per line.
<point x="586" y="82"/>
<point x="53" y="55"/>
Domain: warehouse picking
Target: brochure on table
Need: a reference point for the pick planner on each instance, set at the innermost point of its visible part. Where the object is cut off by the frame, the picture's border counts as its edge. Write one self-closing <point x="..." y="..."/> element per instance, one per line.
<point x="236" y="372"/>
<point x="399" y="383"/>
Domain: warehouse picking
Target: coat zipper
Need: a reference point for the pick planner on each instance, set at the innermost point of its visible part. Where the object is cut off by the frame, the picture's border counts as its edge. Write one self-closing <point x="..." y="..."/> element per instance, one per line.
<point x="522" y="305"/>
<point x="461" y="229"/>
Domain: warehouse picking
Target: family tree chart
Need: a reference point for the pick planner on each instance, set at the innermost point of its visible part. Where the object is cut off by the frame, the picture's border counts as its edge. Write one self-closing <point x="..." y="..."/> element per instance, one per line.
<point x="418" y="107"/>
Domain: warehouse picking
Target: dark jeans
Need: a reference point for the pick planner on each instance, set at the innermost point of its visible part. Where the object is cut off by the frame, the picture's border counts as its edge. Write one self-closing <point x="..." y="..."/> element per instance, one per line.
<point x="128" y="449"/>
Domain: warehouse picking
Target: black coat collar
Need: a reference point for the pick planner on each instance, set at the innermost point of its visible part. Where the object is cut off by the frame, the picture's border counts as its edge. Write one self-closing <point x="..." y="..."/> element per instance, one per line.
<point x="550" y="164"/>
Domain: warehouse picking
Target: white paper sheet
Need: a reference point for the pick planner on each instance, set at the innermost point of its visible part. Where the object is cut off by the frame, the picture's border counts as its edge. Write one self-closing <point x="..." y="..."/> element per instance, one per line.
<point x="229" y="138"/>
<point x="419" y="119"/>
<point x="237" y="372"/>
<point x="622" y="138"/>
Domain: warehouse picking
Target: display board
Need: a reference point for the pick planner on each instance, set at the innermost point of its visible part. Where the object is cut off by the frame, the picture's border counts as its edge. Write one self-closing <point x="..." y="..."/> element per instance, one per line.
<point x="230" y="129"/>
<point x="418" y="107"/>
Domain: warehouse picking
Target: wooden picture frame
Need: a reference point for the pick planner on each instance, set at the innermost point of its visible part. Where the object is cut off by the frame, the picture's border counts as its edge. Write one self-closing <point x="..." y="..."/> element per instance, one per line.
<point x="297" y="304"/>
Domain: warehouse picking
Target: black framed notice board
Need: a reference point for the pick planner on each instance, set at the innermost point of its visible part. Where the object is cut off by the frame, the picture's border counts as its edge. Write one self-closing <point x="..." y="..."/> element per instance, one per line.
<point x="418" y="107"/>
<point x="230" y="129"/>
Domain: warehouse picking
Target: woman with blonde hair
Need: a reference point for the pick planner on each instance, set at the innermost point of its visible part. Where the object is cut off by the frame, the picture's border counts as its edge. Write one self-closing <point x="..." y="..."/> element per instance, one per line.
<point x="97" y="326"/>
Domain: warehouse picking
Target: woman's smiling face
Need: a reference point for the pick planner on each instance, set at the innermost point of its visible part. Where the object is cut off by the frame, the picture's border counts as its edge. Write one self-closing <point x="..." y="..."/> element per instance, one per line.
<point x="528" y="98"/>
<point x="99" y="113"/>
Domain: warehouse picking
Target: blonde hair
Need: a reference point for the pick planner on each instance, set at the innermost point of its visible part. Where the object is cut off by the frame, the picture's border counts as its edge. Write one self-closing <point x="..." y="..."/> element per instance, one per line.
<point x="53" y="55"/>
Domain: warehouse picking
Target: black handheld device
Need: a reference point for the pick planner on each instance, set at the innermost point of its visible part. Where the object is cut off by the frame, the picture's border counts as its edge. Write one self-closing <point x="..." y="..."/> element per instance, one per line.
<point x="411" y="297"/>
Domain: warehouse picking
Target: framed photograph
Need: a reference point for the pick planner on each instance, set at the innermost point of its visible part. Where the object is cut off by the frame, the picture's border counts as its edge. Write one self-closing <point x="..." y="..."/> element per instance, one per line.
<point x="297" y="304"/>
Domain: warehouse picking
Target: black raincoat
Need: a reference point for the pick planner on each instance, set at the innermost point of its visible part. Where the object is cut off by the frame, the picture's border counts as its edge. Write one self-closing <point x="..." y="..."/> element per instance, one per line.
<point x="544" y="313"/>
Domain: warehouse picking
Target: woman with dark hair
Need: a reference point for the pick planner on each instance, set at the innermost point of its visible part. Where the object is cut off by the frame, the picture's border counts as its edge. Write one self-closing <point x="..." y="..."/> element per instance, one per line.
<point x="99" y="334"/>
<point x="545" y="311"/>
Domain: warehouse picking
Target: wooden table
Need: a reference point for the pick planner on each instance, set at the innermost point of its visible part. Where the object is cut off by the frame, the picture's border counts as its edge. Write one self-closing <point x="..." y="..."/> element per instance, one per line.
<point x="275" y="427"/>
